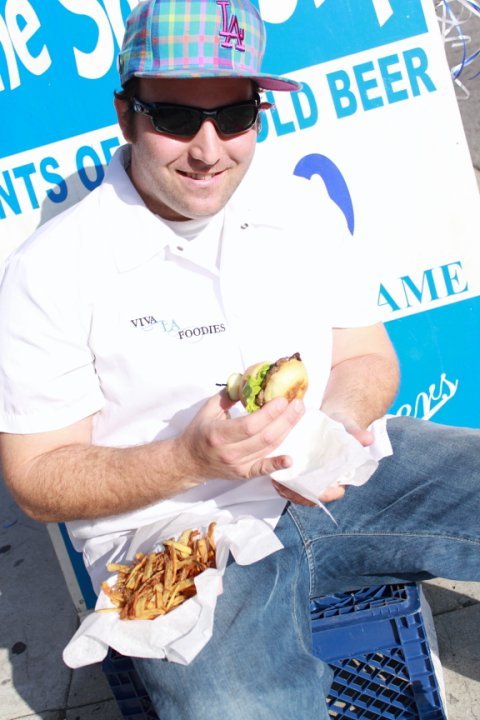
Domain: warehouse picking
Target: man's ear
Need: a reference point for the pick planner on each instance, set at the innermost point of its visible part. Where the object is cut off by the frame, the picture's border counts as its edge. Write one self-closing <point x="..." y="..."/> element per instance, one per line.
<point x="262" y="106"/>
<point x="124" y="117"/>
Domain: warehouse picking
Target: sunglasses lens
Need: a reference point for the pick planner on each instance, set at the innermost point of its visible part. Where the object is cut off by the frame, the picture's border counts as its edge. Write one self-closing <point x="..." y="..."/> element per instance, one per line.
<point x="237" y="118"/>
<point x="184" y="121"/>
<point x="181" y="121"/>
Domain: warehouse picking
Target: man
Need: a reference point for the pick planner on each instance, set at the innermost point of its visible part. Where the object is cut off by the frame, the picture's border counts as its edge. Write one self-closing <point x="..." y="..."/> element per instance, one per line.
<point x="138" y="300"/>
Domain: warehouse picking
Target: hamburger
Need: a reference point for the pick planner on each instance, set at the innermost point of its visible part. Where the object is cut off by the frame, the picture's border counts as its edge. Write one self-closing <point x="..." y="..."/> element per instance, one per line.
<point x="264" y="381"/>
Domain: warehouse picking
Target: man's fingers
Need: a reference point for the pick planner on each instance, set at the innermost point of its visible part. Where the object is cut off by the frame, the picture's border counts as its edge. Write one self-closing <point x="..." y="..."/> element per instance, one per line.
<point x="335" y="492"/>
<point x="269" y="426"/>
<point x="256" y="422"/>
<point x="221" y="401"/>
<point x="291" y="496"/>
<point x="252" y="438"/>
<point x="267" y="466"/>
<point x="364" y="437"/>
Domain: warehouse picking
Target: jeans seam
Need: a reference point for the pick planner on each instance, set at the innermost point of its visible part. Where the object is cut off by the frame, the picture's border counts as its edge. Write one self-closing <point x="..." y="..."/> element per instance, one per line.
<point x="455" y="538"/>
<point x="296" y="610"/>
<point x="306" y="548"/>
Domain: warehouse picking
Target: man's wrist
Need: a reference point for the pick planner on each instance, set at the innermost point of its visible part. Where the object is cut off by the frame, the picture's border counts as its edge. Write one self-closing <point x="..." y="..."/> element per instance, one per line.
<point x="186" y="472"/>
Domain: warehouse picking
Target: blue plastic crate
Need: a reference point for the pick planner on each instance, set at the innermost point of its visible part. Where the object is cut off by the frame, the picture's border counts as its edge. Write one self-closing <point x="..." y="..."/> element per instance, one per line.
<point x="376" y="643"/>
<point x="128" y="690"/>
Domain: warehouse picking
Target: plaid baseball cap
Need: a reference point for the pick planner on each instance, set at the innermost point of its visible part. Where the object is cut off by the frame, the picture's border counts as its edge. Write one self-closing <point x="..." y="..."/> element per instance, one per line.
<point x="196" y="39"/>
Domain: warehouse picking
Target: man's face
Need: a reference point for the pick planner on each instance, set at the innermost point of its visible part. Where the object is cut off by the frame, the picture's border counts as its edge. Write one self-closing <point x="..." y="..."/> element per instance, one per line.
<point x="183" y="178"/>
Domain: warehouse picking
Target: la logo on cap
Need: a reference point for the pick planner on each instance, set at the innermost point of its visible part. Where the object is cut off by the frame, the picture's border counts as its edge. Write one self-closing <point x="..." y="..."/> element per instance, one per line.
<point x="231" y="29"/>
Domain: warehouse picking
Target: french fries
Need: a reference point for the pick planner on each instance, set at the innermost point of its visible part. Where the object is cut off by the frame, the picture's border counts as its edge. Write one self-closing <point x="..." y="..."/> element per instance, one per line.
<point x="159" y="582"/>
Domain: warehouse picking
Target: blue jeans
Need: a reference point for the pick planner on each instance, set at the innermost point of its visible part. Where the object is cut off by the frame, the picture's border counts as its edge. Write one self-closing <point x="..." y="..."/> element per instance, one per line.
<point x="415" y="519"/>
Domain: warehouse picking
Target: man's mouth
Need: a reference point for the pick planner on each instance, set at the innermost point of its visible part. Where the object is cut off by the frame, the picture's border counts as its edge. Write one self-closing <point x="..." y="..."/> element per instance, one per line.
<point x="199" y="176"/>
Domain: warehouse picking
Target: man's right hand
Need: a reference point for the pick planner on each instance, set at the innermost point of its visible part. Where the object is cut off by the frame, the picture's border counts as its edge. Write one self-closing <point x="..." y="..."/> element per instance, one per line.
<point x="216" y="445"/>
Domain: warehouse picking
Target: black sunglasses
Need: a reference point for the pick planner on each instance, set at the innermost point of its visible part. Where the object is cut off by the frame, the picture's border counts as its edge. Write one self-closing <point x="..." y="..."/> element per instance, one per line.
<point x="186" y="121"/>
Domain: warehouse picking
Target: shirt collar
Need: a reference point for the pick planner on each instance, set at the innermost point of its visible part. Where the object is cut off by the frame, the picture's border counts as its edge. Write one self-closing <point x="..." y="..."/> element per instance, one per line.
<point x="137" y="234"/>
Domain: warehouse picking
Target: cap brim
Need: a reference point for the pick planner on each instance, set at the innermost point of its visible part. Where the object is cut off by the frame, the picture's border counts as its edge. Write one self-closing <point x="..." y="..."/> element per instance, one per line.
<point x="265" y="82"/>
<point x="273" y="82"/>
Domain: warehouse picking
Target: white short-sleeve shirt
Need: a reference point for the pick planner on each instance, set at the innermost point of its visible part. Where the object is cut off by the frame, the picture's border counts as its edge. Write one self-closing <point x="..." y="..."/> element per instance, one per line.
<point x="105" y="311"/>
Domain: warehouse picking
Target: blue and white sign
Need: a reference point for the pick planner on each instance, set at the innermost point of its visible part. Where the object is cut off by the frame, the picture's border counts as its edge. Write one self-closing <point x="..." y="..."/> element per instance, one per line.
<point x="315" y="31"/>
<point x="438" y="354"/>
<point x="58" y="66"/>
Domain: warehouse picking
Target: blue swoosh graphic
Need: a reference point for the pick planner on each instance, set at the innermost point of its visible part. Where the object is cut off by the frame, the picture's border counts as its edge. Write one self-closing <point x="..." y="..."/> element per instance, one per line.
<point x="335" y="183"/>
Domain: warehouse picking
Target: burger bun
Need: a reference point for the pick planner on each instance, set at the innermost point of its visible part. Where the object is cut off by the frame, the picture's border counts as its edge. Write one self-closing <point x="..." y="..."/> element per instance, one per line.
<point x="287" y="377"/>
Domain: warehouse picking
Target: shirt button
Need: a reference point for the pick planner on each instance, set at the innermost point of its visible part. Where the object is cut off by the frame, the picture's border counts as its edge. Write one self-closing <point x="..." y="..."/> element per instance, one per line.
<point x="179" y="247"/>
<point x="244" y="226"/>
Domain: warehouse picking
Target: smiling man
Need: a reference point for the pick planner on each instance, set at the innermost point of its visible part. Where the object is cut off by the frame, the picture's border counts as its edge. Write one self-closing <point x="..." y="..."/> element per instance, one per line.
<point x="193" y="176"/>
<point x="119" y="317"/>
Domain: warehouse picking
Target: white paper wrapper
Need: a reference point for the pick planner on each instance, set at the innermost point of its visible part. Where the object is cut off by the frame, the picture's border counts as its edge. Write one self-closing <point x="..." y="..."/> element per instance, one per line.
<point x="325" y="454"/>
<point x="181" y="634"/>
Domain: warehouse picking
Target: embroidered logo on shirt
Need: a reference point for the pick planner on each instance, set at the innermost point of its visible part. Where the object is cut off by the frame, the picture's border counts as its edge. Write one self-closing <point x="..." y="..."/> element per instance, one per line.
<point x="201" y="331"/>
<point x="149" y="322"/>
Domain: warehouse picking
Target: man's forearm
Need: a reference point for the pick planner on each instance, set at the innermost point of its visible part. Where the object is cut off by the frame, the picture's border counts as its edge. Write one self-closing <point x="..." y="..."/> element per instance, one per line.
<point x="88" y="481"/>
<point x="361" y="388"/>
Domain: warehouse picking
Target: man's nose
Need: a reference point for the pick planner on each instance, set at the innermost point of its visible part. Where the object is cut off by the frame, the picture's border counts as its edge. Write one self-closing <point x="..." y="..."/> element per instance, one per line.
<point x="205" y="146"/>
